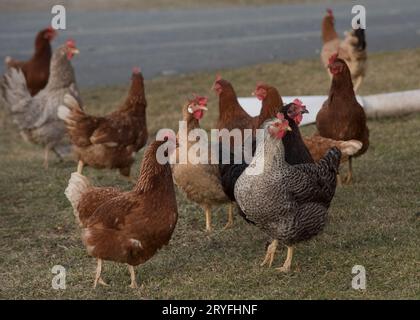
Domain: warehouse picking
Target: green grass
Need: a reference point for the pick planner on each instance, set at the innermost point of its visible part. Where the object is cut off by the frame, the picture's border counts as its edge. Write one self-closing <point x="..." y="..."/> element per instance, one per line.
<point x="372" y="222"/>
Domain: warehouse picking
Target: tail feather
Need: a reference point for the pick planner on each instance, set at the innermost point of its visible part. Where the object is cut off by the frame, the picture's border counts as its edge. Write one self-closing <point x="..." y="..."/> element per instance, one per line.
<point x="79" y="125"/>
<point x="7" y="61"/>
<point x="350" y="147"/>
<point x="78" y="184"/>
<point x="361" y="39"/>
<point x="14" y="89"/>
<point x="63" y="112"/>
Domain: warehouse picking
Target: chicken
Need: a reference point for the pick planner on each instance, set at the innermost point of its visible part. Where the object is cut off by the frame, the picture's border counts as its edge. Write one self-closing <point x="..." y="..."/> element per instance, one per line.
<point x="352" y="49"/>
<point x="36" y="117"/>
<point x="231" y="114"/>
<point x="272" y="102"/>
<point x="110" y="141"/>
<point x="288" y="202"/>
<point x="316" y="145"/>
<point x="37" y="69"/>
<point x="127" y="227"/>
<point x="341" y="117"/>
<point x="295" y="150"/>
<point x="199" y="181"/>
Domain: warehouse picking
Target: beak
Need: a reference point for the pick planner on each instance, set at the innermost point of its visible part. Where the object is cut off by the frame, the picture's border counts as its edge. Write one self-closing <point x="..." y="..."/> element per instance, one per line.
<point x="75" y="51"/>
<point x="288" y="128"/>
<point x="202" y="108"/>
<point x="305" y="111"/>
<point x="253" y="93"/>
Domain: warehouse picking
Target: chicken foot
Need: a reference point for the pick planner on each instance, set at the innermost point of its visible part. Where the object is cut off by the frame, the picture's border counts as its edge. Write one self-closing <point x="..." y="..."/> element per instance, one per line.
<point x="229" y="224"/>
<point x="288" y="262"/>
<point x="98" y="278"/>
<point x="133" y="284"/>
<point x="271" y="251"/>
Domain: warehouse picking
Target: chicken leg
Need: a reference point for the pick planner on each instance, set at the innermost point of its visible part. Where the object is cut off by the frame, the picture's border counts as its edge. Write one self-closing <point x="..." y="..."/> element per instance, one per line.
<point x="133" y="284"/>
<point x="98" y="278"/>
<point x="288" y="262"/>
<point x="80" y="166"/>
<point x="349" y="177"/>
<point x="229" y="224"/>
<point x="269" y="256"/>
<point x="357" y="84"/>
<point x="208" y="218"/>
<point x="46" y="153"/>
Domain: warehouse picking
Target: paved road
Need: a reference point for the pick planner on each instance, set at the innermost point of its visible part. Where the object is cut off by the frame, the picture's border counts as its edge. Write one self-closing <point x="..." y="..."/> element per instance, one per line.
<point x="111" y="43"/>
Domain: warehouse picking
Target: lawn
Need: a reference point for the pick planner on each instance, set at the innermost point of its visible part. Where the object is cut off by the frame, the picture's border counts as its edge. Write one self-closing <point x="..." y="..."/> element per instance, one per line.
<point x="374" y="222"/>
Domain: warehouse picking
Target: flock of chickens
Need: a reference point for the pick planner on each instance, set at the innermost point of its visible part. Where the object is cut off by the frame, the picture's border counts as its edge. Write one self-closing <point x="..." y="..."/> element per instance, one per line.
<point x="288" y="201"/>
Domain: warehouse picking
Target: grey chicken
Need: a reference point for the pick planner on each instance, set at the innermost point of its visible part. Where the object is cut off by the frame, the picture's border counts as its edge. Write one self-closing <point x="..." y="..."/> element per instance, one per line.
<point x="36" y="117"/>
<point x="287" y="202"/>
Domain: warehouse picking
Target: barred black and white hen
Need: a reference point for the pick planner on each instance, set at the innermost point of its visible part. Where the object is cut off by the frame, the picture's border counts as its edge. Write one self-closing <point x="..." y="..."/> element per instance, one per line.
<point x="288" y="202"/>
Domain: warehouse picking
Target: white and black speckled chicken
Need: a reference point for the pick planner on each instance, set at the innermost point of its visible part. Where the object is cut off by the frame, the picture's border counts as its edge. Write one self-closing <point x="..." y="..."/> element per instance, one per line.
<point x="36" y="117"/>
<point x="288" y="202"/>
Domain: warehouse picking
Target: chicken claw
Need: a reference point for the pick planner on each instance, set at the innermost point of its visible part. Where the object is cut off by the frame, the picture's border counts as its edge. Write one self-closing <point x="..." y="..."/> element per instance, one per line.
<point x="269" y="256"/>
<point x="288" y="262"/>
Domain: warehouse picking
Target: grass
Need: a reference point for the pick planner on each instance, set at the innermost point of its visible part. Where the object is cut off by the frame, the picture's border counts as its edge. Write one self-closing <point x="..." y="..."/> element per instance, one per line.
<point x="46" y="5"/>
<point x="372" y="222"/>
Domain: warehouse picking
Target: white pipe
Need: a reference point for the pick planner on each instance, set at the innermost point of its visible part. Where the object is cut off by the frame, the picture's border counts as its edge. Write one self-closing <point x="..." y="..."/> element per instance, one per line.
<point x="392" y="104"/>
<point x="376" y="106"/>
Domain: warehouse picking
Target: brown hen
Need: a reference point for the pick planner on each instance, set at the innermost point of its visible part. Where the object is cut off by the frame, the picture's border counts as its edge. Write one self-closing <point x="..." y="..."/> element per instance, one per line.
<point x="341" y="116"/>
<point x="37" y="69"/>
<point x="318" y="146"/>
<point x="127" y="227"/>
<point x="110" y="141"/>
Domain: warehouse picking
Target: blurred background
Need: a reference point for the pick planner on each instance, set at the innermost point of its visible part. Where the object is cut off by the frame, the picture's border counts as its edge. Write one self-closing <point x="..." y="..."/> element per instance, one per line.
<point x="167" y="37"/>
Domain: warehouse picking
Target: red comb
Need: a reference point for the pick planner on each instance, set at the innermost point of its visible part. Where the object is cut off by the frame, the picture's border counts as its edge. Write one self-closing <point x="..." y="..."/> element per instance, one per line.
<point x="218" y="77"/>
<point x="333" y="58"/>
<point x="201" y="100"/>
<point x="136" y="70"/>
<point x="330" y="12"/>
<point x="70" y="43"/>
<point x="298" y="103"/>
<point x="50" y="28"/>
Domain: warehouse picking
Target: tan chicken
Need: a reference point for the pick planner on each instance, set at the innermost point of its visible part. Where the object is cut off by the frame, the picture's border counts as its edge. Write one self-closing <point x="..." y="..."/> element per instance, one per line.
<point x="352" y="49"/>
<point x="199" y="182"/>
<point x="110" y="141"/>
<point x="127" y="227"/>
